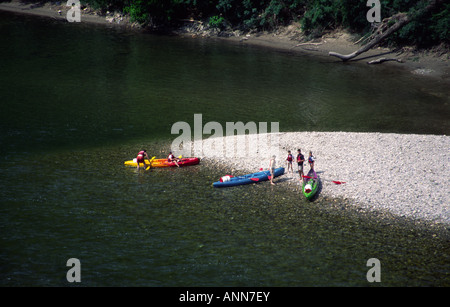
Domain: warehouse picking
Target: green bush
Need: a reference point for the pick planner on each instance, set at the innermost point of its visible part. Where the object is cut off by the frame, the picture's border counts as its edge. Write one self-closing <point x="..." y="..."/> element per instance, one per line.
<point x="440" y="25"/>
<point x="321" y="15"/>
<point x="216" y="22"/>
<point x="138" y="11"/>
<point x="426" y="30"/>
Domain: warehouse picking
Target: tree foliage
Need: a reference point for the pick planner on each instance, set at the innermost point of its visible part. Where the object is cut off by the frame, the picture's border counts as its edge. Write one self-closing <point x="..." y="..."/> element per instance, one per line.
<point x="315" y="16"/>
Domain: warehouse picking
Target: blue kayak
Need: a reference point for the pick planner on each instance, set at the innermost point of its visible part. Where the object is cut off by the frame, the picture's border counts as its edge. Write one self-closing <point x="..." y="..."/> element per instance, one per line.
<point x="228" y="181"/>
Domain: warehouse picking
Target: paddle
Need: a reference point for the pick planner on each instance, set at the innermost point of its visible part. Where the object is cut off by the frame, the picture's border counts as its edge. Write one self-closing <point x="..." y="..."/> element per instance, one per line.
<point x="180" y="160"/>
<point x="150" y="165"/>
<point x="337" y="182"/>
<point x="268" y="176"/>
<point x="333" y="181"/>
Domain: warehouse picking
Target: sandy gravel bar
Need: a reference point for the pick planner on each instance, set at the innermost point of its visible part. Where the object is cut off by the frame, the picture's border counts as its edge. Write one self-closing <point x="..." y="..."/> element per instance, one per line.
<point x="406" y="174"/>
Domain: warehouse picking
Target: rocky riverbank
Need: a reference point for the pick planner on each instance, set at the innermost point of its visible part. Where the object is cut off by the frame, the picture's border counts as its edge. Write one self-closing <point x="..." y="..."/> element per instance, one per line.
<point x="405" y="175"/>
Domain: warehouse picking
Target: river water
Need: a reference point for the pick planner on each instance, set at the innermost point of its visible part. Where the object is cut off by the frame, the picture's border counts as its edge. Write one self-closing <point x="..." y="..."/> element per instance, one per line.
<point x="77" y="100"/>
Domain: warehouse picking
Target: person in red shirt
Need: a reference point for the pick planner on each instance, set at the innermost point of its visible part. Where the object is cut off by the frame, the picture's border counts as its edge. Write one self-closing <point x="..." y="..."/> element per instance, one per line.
<point x="171" y="158"/>
<point x="289" y="160"/>
<point x="141" y="158"/>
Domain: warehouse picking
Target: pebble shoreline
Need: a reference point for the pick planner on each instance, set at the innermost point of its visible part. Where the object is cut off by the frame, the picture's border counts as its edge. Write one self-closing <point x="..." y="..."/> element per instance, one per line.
<point x="405" y="174"/>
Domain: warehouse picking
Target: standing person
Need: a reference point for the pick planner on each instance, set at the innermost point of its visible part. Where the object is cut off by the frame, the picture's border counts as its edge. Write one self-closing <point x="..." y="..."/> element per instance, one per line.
<point x="300" y="160"/>
<point x="311" y="160"/>
<point x="289" y="160"/>
<point x="141" y="158"/>
<point x="171" y="158"/>
<point x="272" y="165"/>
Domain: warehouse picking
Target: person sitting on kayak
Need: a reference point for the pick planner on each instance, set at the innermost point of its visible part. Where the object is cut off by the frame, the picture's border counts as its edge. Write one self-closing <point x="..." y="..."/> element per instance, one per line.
<point x="289" y="160"/>
<point x="171" y="158"/>
<point x="141" y="158"/>
<point x="311" y="160"/>
<point x="300" y="160"/>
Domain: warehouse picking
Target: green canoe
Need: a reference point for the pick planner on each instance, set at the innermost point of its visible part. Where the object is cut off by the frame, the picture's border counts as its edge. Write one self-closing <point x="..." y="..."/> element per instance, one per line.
<point x="310" y="184"/>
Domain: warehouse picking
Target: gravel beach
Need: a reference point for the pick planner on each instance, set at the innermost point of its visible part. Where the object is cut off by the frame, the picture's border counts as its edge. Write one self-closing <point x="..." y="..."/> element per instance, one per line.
<point x="406" y="174"/>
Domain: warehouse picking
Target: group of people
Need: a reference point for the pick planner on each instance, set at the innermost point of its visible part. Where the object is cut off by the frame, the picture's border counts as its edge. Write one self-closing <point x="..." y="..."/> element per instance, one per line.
<point x="289" y="160"/>
<point x="300" y="160"/>
<point x="142" y="155"/>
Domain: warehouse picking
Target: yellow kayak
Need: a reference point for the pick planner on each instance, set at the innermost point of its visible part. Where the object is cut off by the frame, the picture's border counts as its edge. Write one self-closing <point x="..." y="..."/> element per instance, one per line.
<point x="164" y="162"/>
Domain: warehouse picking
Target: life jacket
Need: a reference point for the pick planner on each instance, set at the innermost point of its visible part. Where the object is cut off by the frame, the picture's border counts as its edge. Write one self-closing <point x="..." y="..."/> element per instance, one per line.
<point x="300" y="158"/>
<point x="308" y="188"/>
<point x="170" y="158"/>
<point x="140" y="156"/>
<point x="225" y="178"/>
<point x="289" y="158"/>
<point x="311" y="160"/>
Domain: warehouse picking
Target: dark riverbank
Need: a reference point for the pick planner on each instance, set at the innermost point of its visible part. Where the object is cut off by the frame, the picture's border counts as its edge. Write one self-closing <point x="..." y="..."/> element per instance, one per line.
<point x="432" y="63"/>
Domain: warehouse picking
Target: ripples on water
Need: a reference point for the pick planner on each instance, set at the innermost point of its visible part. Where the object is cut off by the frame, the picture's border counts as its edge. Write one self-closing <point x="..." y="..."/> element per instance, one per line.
<point x="170" y="227"/>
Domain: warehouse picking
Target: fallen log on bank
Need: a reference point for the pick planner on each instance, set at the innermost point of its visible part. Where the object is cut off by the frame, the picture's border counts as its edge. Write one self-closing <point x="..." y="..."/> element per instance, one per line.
<point x="386" y="28"/>
<point x="306" y="44"/>
<point x="381" y="60"/>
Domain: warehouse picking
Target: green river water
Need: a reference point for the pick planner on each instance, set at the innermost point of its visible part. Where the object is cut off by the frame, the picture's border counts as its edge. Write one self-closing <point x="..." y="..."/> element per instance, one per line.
<point x="77" y="100"/>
